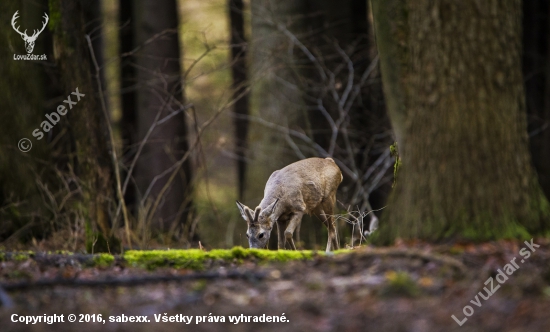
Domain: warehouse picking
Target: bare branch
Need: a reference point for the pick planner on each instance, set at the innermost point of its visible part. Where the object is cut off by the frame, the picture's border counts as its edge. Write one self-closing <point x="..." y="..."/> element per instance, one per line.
<point x="112" y="141"/>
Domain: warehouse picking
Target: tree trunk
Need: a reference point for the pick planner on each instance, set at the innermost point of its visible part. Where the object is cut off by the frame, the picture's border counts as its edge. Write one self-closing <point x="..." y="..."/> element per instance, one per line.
<point x="87" y="125"/>
<point x="24" y="93"/>
<point x="536" y="69"/>
<point x="128" y="125"/>
<point x="453" y="85"/>
<point x="240" y="84"/>
<point x="159" y="89"/>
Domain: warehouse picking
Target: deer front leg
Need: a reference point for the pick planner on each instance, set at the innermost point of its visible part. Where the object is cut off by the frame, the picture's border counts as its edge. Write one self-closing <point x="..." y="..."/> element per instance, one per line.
<point x="293" y="223"/>
<point x="332" y="235"/>
<point x="281" y="225"/>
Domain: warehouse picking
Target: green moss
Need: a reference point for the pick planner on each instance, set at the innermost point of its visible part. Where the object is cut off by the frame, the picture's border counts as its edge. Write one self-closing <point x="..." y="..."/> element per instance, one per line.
<point x="479" y="234"/>
<point x="103" y="260"/>
<point x="456" y="250"/>
<point x="17" y="256"/>
<point x="394" y="152"/>
<point x="237" y="252"/>
<point x="341" y="251"/>
<point x="281" y="255"/>
<point x="55" y="15"/>
<point x="151" y="259"/>
<point x="195" y="258"/>
<point x="315" y="286"/>
<point x="22" y="256"/>
<point x="59" y="252"/>
<point x="18" y="274"/>
<point x="199" y="285"/>
<point x="400" y="284"/>
<point x="538" y="219"/>
<point x="481" y="227"/>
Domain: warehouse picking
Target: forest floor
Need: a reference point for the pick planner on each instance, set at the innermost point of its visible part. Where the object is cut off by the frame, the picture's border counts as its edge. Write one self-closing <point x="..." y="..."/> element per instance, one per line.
<point x="407" y="287"/>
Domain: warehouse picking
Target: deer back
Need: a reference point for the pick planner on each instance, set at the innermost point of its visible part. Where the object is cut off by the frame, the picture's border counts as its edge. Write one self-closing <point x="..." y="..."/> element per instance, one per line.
<point x="302" y="185"/>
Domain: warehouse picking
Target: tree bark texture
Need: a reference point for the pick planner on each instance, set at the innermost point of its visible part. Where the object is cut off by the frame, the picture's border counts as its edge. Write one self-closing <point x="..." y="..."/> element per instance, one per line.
<point x="128" y="124"/>
<point x="453" y="85"/>
<point x="239" y="70"/>
<point x="87" y="144"/>
<point x="159" y="89"/>
<point x="23" y="96"/>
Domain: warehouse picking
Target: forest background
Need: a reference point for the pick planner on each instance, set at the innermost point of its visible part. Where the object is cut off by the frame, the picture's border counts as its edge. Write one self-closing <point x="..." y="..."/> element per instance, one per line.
<point x="191" y="105"/>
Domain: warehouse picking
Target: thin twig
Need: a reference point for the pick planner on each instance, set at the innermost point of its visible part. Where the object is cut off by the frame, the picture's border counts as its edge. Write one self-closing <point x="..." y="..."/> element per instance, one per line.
<point x="176" y="167"/>
<point x="112" y="141"/>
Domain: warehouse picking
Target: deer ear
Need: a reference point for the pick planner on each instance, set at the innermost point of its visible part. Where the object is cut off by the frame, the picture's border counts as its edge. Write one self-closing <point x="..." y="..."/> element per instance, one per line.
<point x="270" y="208"/>
<point x="246" y="212"/>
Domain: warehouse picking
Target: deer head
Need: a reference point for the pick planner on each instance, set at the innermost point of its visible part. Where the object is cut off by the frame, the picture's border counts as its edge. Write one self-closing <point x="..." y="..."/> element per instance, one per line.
<point x="260" y="223"/>
<point x="29" y="40"/>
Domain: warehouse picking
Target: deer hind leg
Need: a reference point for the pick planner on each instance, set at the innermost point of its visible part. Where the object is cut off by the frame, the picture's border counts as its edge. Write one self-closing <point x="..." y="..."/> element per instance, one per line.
<point x="324" y="212"/>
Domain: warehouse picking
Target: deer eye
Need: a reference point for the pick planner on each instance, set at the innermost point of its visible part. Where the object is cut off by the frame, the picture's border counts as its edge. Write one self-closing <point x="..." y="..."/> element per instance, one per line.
<point x="247" y="235"/>
<point x="261" y="235"/>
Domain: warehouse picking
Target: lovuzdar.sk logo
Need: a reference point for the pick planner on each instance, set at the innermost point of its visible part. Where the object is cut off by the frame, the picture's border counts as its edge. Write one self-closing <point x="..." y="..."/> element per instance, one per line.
<point x="29" y="40"/>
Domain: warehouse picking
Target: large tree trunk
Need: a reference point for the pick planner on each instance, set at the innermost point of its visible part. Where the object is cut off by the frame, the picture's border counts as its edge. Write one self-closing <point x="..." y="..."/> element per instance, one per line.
<point x="24" y="93"/>
<point x="452" y="80"/>
<point x="536" y="70"/>
<point x="240" y="85"/>
<point x="88" y="139"/>
<point x="160" y="90"/>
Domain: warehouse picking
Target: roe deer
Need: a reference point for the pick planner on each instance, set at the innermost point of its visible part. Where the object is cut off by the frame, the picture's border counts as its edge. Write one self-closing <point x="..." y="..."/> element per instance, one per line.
<point x="306" y="186"/>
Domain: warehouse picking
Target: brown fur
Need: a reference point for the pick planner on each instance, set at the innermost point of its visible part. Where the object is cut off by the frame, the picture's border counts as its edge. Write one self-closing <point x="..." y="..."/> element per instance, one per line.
<point x="305" y="187"/>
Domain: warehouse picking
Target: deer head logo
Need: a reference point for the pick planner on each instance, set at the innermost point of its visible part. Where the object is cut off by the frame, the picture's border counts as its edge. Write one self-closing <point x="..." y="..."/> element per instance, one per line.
<point x="29" y="40"/>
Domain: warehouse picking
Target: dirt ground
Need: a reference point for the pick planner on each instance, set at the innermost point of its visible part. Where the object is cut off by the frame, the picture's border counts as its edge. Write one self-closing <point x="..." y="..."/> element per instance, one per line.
<point x="408" y="287"/>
